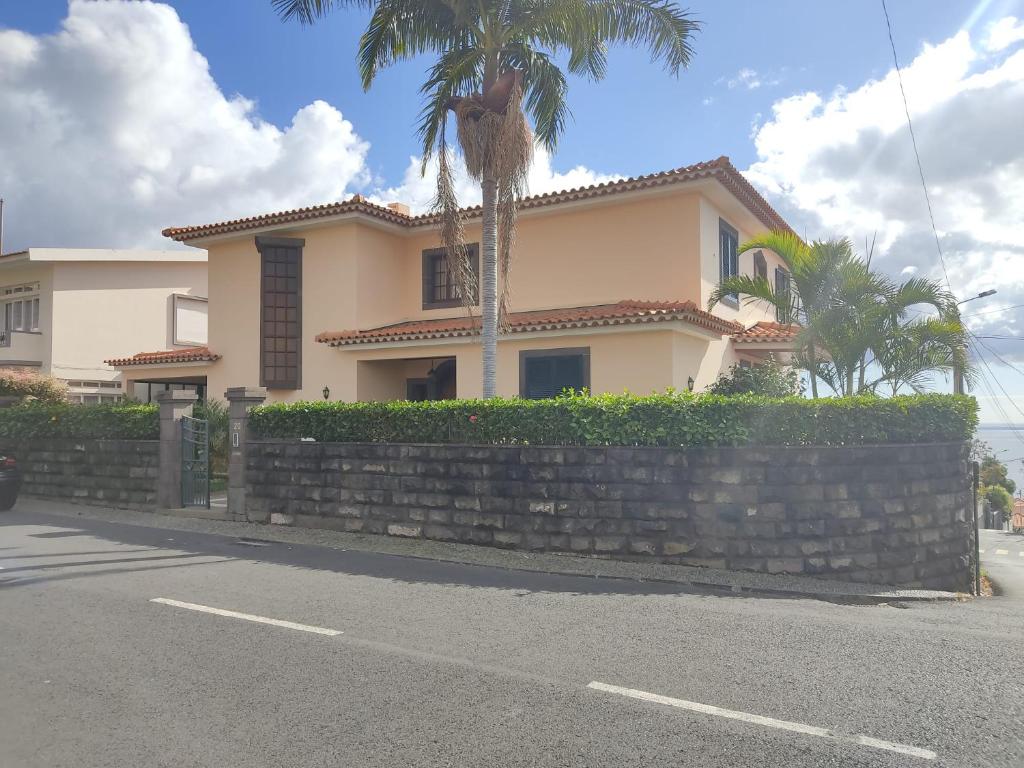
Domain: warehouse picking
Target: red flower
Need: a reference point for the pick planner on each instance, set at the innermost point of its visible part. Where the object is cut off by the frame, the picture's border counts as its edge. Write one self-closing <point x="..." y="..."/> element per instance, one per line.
<point x="473" y="418"/>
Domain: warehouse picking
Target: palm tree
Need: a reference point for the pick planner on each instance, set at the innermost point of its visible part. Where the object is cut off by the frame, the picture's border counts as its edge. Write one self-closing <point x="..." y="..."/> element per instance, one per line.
<point x="814" y="271"/>
<point x="854" y="321"/>
<point x="495" y="58"/>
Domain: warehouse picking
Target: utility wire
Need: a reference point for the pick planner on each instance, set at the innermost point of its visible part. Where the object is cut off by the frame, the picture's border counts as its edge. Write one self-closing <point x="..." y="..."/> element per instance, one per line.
<point x="992" y="311"/>
<point x="913" y="140"/>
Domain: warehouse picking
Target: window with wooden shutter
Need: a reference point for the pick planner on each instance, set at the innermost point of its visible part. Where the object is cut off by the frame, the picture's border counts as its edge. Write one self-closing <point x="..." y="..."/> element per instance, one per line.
<point x="548" y="372"/>
<point x="439" y="286"/>
<point x="280" y="312"/>
<point x="782" y="289"/>
<point x="760" y="266"/>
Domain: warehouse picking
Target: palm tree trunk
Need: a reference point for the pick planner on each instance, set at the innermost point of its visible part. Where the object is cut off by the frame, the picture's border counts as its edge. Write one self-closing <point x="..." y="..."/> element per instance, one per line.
<point x="813" y="368"/>
<point x="489" y="302"/>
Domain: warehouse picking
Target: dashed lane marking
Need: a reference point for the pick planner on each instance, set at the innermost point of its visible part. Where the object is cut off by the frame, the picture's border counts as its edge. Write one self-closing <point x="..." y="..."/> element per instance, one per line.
<point x="768" y="722"/>
<point x="246" y="616"/>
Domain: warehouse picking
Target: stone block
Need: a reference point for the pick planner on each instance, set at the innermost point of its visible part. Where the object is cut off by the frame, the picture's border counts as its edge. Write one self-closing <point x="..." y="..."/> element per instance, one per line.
<point x="609" y="543"/>
<point x="643" y="547"/>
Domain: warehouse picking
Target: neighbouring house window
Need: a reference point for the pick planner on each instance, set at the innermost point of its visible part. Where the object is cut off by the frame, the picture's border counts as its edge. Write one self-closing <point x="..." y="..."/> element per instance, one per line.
<point x="440" y="288"/>
<point x="728" y="247"/>
<point x="760" y="266"/>
<point x="280" y="312"/>
<point x="21" y="307"/>
<point x="782" y="288"/>
<point x="548" y="372"/>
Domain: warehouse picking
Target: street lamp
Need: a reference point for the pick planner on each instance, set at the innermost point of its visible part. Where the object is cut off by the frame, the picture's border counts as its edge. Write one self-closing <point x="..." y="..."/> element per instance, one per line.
<point x="982" y="295"/>
<point x="958" y="372"/>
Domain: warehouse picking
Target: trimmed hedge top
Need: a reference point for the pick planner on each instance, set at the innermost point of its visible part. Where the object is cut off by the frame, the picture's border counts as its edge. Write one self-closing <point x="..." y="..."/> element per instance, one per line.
<point x="672" y="419"/>
<point x="113" y="422"/>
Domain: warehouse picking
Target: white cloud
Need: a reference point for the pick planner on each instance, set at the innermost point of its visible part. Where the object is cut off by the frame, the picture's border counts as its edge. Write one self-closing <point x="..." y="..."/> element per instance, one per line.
<point x="417" y="191"/>
<point x="746" y="77"/>
<point x="1004" y="33"/>
<point x="113" y="128"/>
<point x="843" y="164"/>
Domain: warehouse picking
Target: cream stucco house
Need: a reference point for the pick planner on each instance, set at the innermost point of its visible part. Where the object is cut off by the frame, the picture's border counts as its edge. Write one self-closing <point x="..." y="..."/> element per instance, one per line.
<point x="65" y="310"/>
<point x="609" y="291"/>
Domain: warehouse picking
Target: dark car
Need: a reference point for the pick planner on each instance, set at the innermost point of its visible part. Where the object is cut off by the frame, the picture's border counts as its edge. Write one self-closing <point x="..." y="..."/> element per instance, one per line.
<point x="10" y="481"/>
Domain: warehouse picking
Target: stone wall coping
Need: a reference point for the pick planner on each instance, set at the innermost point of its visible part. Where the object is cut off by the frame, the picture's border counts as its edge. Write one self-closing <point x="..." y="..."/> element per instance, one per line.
<point x="549" y="446"/>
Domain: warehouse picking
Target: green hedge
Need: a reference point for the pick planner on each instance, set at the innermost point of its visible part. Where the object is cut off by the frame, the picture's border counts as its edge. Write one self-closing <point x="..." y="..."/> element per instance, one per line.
<point x="126" y="422"/>
<point x="666" y="420"/>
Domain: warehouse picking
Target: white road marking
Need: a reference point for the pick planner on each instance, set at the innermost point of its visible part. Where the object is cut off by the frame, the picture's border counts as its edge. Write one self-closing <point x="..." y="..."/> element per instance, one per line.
<point x="981" y="551"/>
<point x="1002" y="551"/>
<point x="246" y="616"/>
<point x="769" y="722"/>
<point x="1021" y="553"/>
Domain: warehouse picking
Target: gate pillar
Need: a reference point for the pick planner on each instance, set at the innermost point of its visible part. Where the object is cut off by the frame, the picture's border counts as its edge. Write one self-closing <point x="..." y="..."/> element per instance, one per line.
<point x="173" y="405"/>
<point x="240" y="400"/>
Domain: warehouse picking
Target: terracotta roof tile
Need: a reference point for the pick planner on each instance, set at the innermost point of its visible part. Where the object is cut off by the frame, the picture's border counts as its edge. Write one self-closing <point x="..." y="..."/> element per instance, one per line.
<point x="190" y="355"/>
<point x="720" y="169"/>
<point x="623" y="312"/>
<point x="765" y="332"/>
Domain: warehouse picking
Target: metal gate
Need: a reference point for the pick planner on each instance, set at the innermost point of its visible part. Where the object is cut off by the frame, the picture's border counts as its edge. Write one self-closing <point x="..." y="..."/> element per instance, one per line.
<point x="195" y="462"/>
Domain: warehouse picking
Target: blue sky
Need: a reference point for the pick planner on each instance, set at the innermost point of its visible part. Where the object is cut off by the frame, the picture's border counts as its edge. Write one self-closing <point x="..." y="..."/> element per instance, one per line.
<point x="793" y="45"/>
<point x="122" y="118"/>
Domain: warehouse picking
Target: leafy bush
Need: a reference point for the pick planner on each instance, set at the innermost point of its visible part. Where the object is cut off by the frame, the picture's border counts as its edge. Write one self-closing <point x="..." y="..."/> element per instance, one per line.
<point x="127" y="422"/>
<point x="768" y="378"/>
<point x="673" y="419"/>
<point x="16" y="382"/>
<point x="998" y="498"/>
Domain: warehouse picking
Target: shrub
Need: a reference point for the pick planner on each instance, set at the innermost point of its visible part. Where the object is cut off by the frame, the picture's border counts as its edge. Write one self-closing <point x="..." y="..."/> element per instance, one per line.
<point x="673" y="419"/>
<point x="768" y="378"/>
<point x="15" y="382"/>
<point x="127" y="422"/>
<point x="998" y="498"/>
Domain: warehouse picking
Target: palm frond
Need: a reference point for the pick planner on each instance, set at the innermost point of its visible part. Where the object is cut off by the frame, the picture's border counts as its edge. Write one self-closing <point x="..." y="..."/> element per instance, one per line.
<point x="309" y="11"/>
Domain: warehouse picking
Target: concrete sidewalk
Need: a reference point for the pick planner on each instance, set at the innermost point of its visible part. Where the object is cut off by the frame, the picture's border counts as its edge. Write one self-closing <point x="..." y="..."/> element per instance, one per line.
<point x="710" y="579"/>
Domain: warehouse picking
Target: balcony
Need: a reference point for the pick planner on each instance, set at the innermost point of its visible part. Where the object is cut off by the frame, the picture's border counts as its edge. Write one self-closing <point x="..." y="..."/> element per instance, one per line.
<point x="21" y="348"/>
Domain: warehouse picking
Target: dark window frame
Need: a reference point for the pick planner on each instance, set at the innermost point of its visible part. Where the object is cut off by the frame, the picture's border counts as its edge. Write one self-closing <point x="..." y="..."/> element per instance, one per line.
<point x="728" y="264"/>
<point x="528" y="354"/>
<point x="430" y="257"/>
<point x="263" y="246"/>
<point x="760" y="265"/>
<point x="783" y="284"/>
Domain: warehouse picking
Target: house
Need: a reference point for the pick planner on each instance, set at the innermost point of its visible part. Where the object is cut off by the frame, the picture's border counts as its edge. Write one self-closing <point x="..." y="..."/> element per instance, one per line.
<point x="353" y="301"/>
<point x="66" y="309"/>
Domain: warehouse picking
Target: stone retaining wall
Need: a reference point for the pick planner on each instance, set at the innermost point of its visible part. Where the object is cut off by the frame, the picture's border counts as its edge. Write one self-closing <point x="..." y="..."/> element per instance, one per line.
<point x="892" y="514"/>
<point x="113" y="472"/>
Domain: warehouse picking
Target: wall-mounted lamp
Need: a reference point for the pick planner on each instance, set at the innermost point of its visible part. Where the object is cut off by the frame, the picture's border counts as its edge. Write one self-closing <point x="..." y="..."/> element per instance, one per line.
<point x="327" y="392"/>
<point x="689" y="383"/>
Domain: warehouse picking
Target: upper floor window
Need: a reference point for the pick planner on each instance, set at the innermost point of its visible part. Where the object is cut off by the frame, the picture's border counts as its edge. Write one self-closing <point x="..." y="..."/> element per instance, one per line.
<point x="280" y="312"/>
<point x="548" y="372"/>
<point x="728" y="249"/>
<point x="760" y="266"/>
<point x="782" y="288"/>
<point x="440" y="288"/>
<point x="21" y="307"/>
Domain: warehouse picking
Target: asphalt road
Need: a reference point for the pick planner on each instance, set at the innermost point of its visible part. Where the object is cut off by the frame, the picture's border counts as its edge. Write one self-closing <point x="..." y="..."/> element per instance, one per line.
<point x="1002" y="555"/>
<point x="440" y="664"/>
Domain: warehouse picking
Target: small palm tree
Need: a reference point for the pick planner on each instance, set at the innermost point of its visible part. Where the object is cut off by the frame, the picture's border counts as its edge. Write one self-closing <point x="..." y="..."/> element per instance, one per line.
<point x="815" y="272"/>
<point x="495" y="58"/>
<point x="854" y="322"/>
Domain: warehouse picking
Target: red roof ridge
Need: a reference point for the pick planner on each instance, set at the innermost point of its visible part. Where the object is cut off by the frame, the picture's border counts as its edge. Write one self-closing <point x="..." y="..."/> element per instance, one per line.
<point x="616" y="313"/>
<point x="190" y="355"/>
<point x="721" y="168"/>
<point x="767" y="331"/>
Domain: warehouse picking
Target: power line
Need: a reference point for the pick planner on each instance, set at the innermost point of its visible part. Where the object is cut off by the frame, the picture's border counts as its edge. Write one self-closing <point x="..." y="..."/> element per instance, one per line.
<point x="992" y="311"/>
<point x="913" y="140"/>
